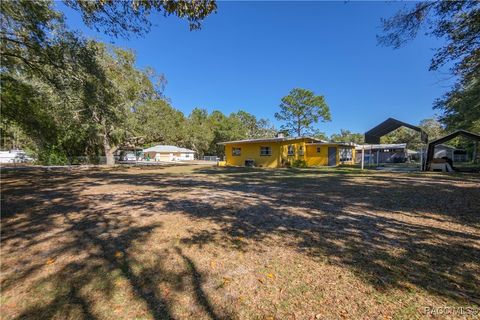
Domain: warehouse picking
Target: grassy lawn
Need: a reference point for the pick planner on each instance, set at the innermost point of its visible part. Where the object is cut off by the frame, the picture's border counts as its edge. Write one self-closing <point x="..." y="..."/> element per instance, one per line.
<point x="196" y="242"/>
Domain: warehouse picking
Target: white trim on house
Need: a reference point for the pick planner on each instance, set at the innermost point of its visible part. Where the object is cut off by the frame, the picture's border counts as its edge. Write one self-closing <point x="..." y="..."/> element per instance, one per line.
<point x="382" y="146"/>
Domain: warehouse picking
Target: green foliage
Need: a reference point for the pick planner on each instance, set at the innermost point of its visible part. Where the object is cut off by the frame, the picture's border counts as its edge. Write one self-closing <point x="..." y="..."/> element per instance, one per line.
<point x="251" y="127"/>
<point x="12" y="137"/>
<point x="300" y="109"/>
<point x="156" y="121"/>
<point x="198" y="131"/>
<point x="299" y="163"/>
<point x="347" y="136"/>
<point x="52" y="156"/>
<point x="433" y="128"/>
<point x="115" y="89"/>
<point x="403" y="135"/>
<point x="461" y="106"/>
<point x="76" y="97"/>
<point x="457" y="22"/>
<point x="121" y="18"/>
<point x="224" y="129"/>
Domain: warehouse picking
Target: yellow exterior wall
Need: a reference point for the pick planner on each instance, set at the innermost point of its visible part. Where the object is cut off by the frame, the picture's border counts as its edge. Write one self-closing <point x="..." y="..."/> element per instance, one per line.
<point x="289" y="159"/>
<point x="252" y="151"/>
<point x="319" y="159"/>
<point x="279" y="157"/>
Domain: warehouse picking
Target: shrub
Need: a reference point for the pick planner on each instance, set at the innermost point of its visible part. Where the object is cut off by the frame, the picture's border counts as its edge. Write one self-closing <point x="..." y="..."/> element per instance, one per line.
<point x="51" y="156"/>
<point x="299" y="164"/>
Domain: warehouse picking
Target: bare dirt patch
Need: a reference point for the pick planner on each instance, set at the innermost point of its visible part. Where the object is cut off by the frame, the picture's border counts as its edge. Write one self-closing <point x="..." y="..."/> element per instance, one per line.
<point x="198" y="242"/>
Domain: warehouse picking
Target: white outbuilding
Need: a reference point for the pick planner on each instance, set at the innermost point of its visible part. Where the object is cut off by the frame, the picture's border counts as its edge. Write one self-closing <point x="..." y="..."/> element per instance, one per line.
<point x="168" y="153"/>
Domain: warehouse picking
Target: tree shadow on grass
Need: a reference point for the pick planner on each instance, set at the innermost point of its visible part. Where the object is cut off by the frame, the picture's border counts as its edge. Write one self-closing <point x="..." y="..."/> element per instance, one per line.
<point x="363" y="226"/>
<point x="79" y="251"/>
<point x="196" y="279"/>
<point x="369" y="227"/>
<point x="372" y="227"/>
<point x="385" y="252"/>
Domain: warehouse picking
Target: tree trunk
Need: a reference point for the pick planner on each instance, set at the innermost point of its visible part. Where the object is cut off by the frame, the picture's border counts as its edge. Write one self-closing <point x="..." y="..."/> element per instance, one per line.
<point x="109" y="150"/>
<point x="299" y="128"/>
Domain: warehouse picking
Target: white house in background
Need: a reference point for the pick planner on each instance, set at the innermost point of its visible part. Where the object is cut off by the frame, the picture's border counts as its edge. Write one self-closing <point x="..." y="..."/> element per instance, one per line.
<point x="168" y="153"/>
<point x="14" y="156"/>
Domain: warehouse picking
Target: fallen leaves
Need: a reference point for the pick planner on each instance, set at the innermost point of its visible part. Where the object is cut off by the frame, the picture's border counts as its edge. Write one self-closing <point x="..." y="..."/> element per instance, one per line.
<point x="268" y="276"/>
<point x="225" y="281"/>
<point x="166" y="292"/>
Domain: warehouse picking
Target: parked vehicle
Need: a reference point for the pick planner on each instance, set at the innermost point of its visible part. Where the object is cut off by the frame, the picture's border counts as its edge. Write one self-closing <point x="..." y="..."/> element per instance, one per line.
<point x="129" y="157"/>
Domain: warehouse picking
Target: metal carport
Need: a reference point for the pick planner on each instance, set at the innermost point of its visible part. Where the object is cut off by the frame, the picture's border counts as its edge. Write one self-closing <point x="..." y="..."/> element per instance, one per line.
<point x="432" y="144"/>
<point x="373" y="135"/>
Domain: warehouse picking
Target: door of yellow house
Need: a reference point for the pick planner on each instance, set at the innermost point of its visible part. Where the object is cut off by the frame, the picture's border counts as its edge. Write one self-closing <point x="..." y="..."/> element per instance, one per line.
<point x="332" y="156"/>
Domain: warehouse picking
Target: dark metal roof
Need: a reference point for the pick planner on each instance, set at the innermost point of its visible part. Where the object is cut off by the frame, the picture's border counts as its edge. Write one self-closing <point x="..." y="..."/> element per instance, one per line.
<point x="454" y="134"/>
<point x="373" y="135"/>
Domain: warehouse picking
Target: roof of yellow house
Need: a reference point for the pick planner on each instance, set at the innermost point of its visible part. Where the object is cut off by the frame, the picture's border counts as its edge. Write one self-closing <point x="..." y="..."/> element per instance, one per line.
<point x="276" y="139"/>
<point x="341" y="144"/>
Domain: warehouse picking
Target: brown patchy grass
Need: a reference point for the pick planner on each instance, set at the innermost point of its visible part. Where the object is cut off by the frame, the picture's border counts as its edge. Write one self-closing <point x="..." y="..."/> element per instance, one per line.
<point x="196" y="242"/>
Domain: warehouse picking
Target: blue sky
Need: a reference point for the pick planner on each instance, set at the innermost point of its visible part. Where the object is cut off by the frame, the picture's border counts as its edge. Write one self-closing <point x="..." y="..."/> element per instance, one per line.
<point x="250" y="54"/>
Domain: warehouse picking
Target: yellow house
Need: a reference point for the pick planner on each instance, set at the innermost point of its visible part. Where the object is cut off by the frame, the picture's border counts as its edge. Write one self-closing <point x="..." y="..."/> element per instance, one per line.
<point x="285" y="151"/>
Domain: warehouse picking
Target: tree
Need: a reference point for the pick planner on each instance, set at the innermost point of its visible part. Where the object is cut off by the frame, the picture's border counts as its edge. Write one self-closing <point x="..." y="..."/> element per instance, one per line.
<point x="199" y="133"/>
<point x="69" y="95"/>
<point x="122" y="18"/>
<point x="458" y="23"/>
<point x="113" y="92"/>
<point x="50" y="122"/>
<point x="461" y="106"/>
<point x="253" y="127"/>
<point x="317" y="134"/>
<point x="403" y="135"/>
<point x="347" y="136"/>
<point x="29" y="29"/>
<point x="156" y="121"/>
<point x="264" y="129"/>
<point x="41" y="78"/>
<point x="300" y="109"/>
<point x="432" y="128"/>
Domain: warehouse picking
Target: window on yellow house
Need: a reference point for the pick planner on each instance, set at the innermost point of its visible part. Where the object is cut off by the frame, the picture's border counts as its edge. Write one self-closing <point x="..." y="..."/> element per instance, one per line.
<point x="318" y="149"/>
<point x="346" y="154"/>
<point x="300" y="151"/>
<point x="265" y="151"/>
<point x="236" y="151"/>
<point x="291" y="150"/>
